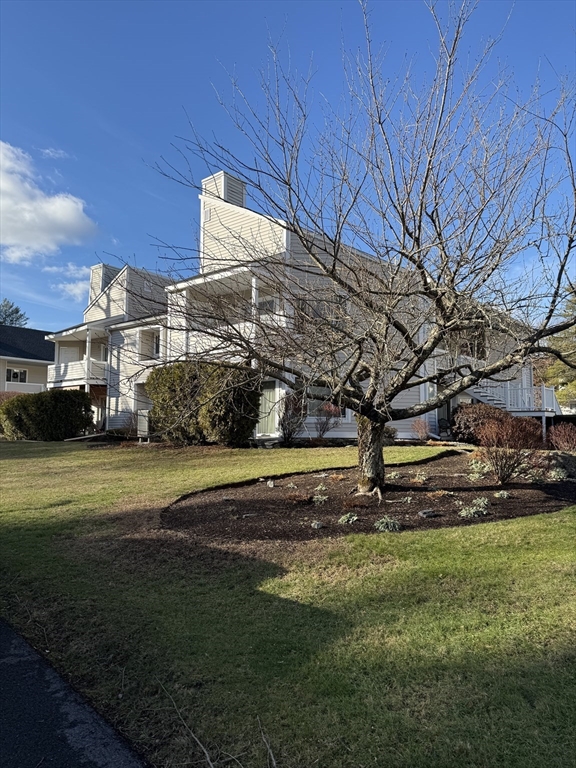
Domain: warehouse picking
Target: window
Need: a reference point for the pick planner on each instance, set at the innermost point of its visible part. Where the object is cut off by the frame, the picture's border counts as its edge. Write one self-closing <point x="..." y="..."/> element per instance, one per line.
<point x="17" y="375"/>
<point x="318" y="397"/>
<point x="147" y="286"/>
<point x="266" y="306"/>
<point x="156" y="345"/>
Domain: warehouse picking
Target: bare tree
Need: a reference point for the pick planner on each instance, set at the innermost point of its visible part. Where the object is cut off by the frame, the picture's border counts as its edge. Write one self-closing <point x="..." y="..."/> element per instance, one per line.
<point x="426" y="235"/>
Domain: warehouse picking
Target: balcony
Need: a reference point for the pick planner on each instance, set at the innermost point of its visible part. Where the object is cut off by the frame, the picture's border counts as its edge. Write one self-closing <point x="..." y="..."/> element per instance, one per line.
<point x="80" y="372"/>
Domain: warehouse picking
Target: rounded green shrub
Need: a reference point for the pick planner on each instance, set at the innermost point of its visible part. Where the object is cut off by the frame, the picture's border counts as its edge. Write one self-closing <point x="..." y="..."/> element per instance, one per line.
<point x="56" y="414"/>
<point x="230" y="404"/>
<point x="174" y="391"/>
<point x="198" y="402"/>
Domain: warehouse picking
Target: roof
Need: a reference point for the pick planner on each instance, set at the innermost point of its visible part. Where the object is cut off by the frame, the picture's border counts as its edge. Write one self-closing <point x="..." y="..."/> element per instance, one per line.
<point x="25" y="343"/>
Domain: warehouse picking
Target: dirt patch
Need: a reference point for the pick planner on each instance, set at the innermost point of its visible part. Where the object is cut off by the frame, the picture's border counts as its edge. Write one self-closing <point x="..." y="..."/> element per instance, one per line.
<point x="307" y="507"/>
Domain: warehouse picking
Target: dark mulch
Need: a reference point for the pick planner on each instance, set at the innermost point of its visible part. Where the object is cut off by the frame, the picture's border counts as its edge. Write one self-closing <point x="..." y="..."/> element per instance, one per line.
<point x="286" y="511"/>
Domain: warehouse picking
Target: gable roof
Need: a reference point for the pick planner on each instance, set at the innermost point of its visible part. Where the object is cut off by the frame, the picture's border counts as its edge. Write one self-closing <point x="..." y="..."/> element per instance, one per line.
<point x="25" y="343"/>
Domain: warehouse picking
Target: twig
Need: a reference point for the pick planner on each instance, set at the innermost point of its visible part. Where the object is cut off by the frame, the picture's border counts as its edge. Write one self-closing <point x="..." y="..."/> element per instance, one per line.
<point x="207" y="757"/>
<point x="271" y="759"/>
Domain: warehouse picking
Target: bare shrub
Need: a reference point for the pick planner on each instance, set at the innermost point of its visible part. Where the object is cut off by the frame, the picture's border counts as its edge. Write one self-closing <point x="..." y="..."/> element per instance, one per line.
<point x="563" y="437"/>
<point x="292" y="416"/>
<point x="468" y="418"/>
<point x="508" y="446"/>
<point x="328" y="416"/>
<point x="420" y="429"/>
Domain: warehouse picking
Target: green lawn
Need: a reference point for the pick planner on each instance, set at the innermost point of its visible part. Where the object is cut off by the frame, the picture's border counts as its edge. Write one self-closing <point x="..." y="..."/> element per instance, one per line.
<point x="417" y="650"/>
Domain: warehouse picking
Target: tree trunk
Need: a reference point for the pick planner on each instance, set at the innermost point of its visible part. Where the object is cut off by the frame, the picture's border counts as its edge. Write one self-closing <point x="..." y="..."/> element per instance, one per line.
<point x="370" y="456"/>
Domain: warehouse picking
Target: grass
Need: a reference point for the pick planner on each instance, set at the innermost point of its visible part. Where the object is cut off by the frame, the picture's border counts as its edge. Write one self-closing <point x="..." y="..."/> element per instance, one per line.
<point x="420" y="650"/>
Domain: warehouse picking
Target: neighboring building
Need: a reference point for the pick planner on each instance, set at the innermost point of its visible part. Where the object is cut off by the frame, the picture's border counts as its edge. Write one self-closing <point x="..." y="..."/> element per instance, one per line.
<point x="25" y="355"/>
<point x="137" y="320"/>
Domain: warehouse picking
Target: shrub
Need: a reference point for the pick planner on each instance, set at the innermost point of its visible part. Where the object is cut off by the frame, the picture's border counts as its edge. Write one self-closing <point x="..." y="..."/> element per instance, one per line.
<point x="328" y="416"/>
<point x="174" y="391"/>
<point x="56" y="414"/>
<point x="420" y="429"/>
<point x="508" y="445"/>
<point x="468" y="418"/>
<point x="230" y="404"/>
<point x="194" y="402"/>
<point x="292" y="410"/>
<point x="562" y="437"/>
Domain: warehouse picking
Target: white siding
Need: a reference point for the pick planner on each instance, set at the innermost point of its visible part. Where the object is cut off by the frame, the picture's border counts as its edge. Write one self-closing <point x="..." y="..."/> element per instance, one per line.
<point x="232" y="235"/>
<point x="124" y="369"/>
<point x="145" y="294"/>
<point x="110" y="303"/>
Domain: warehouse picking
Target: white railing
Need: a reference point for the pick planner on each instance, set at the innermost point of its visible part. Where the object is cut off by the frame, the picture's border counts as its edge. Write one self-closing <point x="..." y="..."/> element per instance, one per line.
<point x="508" y="395"/>
<point x="16" y="386"/>
<point x="82" y="370"/>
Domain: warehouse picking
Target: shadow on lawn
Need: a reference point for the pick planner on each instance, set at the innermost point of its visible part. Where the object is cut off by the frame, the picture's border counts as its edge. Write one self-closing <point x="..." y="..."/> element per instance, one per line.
<point x="143" y="611"/>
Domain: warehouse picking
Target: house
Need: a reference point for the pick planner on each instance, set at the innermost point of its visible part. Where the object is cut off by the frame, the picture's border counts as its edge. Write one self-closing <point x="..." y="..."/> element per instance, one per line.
<point x="136" y="320"/>
<point x="92" y="357"/>
<point x="25" y="355"/>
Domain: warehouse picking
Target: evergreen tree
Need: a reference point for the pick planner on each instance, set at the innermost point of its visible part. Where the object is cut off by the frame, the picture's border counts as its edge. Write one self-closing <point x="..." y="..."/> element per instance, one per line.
<point x="10" y="314"/>
<point x="558" y="374"/>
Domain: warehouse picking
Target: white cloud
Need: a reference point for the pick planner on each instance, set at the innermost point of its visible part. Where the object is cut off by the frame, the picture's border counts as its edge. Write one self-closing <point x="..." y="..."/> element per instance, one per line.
<point x="77" y="290"/>
<point x="34" y="223"/>
<point x="55" y="154"/>
<point x="69" y="270"/>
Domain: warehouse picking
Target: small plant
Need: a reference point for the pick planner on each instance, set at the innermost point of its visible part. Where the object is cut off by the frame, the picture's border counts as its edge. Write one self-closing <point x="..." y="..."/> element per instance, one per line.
<point x="292" y="485"/>
<point x="318" y="499"/>
<point x="420" y="429"/>
<point x="292" y="413"/>
<point x="478" y="508"/>
<point x="392" y="475"/>
<point x="439" y="493"/>
<point x="501" y="495"/>
<point x="557" y="473"/>
<point x="348" y="518"/>
<point x="478" y="470"/>
<point x="328" y="416"/>
<point x="420" y="477"/>
<point x="320" y="487"/>
<point x="387" y="524"/>
<point x="405" y="500"/>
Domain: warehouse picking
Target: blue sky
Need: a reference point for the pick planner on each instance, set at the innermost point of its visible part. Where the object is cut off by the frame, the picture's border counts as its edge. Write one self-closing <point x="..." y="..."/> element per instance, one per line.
<point x="93" y="94"/>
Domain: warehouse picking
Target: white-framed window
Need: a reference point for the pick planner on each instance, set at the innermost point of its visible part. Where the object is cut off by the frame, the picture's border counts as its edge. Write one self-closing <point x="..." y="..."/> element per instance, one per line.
<point x="147" y="286"/>
<point x="17" y="375"/>
<point x="266" y="306"/>
<point x="157" y="345"/>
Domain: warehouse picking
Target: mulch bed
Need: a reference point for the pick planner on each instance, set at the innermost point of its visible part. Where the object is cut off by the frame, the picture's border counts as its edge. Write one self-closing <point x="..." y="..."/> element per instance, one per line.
<point x="284" y="509"/>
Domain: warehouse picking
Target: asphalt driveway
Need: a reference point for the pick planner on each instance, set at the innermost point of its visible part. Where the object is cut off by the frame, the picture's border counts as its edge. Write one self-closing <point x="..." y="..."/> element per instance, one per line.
<point x="44" y="723"/>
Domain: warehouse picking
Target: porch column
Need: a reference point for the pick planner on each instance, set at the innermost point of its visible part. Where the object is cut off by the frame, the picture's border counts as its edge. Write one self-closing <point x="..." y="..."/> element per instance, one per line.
<point x="88" y="353"/>
<point x="544" y="427"/>
<point x="254" y="297"/>
<point x="254" y="363"/>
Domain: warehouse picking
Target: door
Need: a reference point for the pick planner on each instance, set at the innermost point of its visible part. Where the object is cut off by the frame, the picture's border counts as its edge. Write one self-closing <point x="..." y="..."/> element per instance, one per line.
<point x="69" y="354"/>
<point x="267" y="422"/>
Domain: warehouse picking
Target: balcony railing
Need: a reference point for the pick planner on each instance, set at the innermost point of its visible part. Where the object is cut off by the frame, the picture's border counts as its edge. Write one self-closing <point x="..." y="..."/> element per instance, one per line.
<point x="509" y="395"/>
<point x="82" y="370"/>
